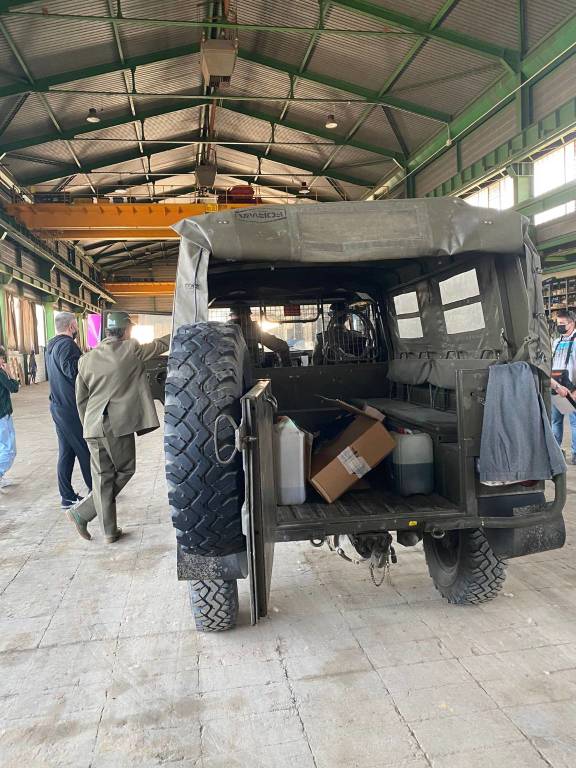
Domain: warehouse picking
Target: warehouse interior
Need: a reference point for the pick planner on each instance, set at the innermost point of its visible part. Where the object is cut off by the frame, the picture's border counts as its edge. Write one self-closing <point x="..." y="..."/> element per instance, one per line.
<point x="119" y="119"/>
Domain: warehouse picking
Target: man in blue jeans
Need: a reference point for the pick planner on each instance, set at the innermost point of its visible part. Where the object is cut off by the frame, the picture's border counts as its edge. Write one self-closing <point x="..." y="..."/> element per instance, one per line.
<point x="564" y="359"/>
<point x="8" y="385"/>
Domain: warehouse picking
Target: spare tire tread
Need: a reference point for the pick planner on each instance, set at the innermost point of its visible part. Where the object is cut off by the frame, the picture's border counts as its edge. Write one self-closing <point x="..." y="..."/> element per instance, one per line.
<point x="207" y="372"/>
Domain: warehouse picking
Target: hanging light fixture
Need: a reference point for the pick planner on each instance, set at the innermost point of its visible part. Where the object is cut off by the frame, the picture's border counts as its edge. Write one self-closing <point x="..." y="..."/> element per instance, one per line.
<point x="331" y="121"/>
<point x="92" y="116"/>
<point x="304" y="189"/>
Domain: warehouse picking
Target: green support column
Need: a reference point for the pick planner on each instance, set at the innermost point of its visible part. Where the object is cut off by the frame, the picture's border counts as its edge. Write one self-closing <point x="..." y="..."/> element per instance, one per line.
<point x="523" y="188"/>
<point x="411" y="185"/>
<point x="49" y="318"/>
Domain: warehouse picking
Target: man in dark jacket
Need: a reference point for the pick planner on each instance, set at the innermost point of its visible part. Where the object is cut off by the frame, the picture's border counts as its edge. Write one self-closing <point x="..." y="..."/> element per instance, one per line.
<point x="62" y="355"/>
<point x="241" y="314"/>
<point x="7" y="434"/>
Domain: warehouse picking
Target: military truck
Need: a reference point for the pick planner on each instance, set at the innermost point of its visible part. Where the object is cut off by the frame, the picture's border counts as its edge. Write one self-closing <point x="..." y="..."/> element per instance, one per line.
<point x="435" y="291"/>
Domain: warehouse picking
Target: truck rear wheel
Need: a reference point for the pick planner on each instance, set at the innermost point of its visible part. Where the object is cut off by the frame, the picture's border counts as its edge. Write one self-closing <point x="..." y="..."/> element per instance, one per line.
<point x="214" y="604"/>
<point x="463" y="566"/>
<point x="208" y="372"/>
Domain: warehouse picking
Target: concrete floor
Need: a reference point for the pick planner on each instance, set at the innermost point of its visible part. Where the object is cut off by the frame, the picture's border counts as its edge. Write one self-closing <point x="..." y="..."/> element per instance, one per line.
<point x="100" y="665"/>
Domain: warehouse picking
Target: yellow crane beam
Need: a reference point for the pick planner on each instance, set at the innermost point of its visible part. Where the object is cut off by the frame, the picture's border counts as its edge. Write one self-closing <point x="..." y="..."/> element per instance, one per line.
<point x="108" y="220"/>
<point x="132" y="289"/>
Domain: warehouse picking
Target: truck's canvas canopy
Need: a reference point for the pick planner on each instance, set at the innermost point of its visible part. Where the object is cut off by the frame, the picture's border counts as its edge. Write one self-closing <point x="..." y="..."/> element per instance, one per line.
<point x="344" y="232"/>
<point x="356" y="232"/>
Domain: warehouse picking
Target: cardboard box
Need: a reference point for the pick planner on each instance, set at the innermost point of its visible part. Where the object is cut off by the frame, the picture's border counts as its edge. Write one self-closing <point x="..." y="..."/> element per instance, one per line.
<point x="351" y="455"/>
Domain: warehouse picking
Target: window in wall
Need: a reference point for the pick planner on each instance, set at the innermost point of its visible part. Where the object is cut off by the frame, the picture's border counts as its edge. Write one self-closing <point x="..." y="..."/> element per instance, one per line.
<point x="408" y="316"/>
<point x="553" y="170"/>
<point x="466" y="317"/>
<point x="40" y="325"/>
<point x="18" y="318"/>
<point x="499" y="194"/>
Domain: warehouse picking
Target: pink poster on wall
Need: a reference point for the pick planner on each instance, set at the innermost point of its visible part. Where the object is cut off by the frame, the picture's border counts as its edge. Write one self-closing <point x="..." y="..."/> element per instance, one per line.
<point x="93" y="330"/>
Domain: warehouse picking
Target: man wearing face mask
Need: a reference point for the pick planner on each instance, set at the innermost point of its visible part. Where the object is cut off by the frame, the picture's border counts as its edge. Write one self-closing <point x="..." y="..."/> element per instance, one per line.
<point x="62" y="355"/>
<point x="563" y="379"/>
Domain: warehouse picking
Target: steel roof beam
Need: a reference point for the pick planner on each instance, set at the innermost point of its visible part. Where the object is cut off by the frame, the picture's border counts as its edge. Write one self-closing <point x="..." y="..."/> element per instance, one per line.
<point x="510" y="58"/>
<point x="246" y="150"/>
<point x="130" y="63"/>
<point x="122" y="58"/>
<point x="392" y="79"/>
<point x="85" y="128"/>
<point x="555" y="48"/>
<point x="398" y="20"/>
<point x="44" y="84"/>
<point x="119" y="159"/>
<point x="47" y="108"/>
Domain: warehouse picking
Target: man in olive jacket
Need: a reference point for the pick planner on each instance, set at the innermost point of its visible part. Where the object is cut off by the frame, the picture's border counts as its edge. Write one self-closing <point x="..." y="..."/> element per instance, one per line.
<point x="114" y="402"/>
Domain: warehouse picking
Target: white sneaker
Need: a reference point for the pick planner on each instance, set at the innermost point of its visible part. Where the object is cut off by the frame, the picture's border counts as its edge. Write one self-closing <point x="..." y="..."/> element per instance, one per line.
<point x="5" y="482"/>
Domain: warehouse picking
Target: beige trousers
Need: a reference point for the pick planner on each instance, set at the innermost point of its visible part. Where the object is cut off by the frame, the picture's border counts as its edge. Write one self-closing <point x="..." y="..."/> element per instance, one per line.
<point x="113" y="462"/>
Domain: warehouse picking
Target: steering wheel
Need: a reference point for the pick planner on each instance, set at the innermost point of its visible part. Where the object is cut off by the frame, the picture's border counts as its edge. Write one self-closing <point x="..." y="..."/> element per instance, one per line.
<point x="334" y="347"/>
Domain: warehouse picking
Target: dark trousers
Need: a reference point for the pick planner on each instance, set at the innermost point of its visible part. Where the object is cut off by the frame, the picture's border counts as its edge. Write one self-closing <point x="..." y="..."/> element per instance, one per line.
<point x="71" y="446"/>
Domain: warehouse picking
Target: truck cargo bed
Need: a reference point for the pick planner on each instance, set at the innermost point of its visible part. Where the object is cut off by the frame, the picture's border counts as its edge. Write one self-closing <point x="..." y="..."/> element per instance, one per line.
<point x="356" y="512"/>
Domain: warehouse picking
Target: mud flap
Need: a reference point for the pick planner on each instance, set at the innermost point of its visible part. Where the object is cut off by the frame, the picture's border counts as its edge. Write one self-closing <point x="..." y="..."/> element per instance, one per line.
<point x="507" y="543"/>
<point x="259" y="512"/>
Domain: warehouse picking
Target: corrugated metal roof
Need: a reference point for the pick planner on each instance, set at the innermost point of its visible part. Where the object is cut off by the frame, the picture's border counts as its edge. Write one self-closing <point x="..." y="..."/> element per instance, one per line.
<point x="308" y="151"/>
<point x="170" y="76"/>
<point x="442" y="76"/>
<point x="495" y="21"/>
<point x="137" y="40"/>
<point x="315" y="113"/>
<point x="71" y="109"/>
<point x="10" y="69"/>
<point x="287" y="48"/>
<point x="356" y="162"/>
<point x="353" y="192"/>
<point x="32" y="162"/>
<point x="337" y="56"/>
<point x="51" y="45"/>
<point x="250" y="78"/>
<point x="117" y="168"/>
<point x="173" y="158"/>
<point x="303" y="13"/>
<point x="415" y="129"/>
<point x="376" y="130"/>
<point x="420" y="9"/>
<point x="543" y="17"/>
<point x="446" y="78"/>
<point x="32" y="119"/>
<point x="172" y="124"/>
<point x="234" y="126"/>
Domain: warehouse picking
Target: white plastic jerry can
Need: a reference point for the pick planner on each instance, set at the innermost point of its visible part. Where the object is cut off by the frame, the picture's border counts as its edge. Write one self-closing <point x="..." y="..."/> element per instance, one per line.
<point x="291" y="460"/>
<point x="413" y="464"/>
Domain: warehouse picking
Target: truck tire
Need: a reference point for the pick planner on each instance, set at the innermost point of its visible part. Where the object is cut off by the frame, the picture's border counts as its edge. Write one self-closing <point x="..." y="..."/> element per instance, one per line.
<point x="208" y="372"/>
<point x="214" y="604"/>
<point x="463" y="566"/>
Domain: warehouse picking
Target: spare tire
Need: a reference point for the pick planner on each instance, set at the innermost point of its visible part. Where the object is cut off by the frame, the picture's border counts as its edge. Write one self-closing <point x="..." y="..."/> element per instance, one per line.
<point x="208" y="372"/>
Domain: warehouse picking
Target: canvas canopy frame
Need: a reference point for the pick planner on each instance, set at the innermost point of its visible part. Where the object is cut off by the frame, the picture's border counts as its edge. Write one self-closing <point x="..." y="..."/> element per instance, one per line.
<point x="360" y="232"/>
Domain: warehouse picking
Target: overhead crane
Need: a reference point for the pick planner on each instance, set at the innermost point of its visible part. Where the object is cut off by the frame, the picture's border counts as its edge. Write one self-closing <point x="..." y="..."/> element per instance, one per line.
<point x="110" y="221"/>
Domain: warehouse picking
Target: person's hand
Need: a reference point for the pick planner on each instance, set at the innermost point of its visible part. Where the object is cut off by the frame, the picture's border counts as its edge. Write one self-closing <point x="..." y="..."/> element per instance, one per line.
<point x="562" y="391"/>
